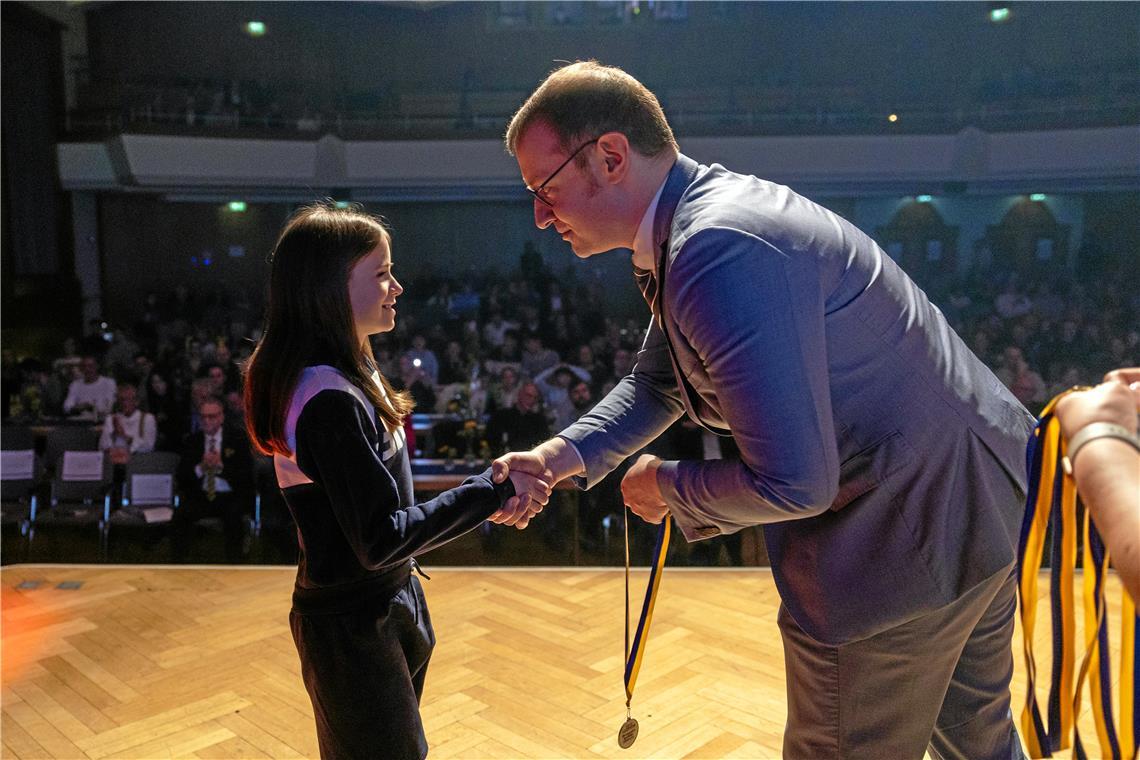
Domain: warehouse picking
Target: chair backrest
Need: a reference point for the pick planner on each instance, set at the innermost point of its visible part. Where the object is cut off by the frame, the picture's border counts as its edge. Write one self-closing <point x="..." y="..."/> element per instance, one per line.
<point x="80" y="476"/>
<point x="14" y="437"/>
<point x="157" y="462"/>
<point x="150" y="479"/>
<point x="17" y="465"/>
<point x="17" y="474"/>
<point x="69" y="438"/>
<point x="148" y="489"/>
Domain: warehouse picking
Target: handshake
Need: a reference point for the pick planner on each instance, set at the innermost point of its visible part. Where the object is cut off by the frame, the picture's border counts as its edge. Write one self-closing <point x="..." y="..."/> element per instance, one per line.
<point x="534" y="474"/>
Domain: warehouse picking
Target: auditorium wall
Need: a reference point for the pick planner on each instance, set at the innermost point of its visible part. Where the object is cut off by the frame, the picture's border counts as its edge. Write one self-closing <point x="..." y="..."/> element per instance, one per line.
<point x="895" y="51"/>
<point x="151" y="244"/>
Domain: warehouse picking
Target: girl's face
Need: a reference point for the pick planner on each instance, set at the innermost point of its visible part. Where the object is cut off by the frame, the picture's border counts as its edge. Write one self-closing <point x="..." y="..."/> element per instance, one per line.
<point x="372" y="291"/>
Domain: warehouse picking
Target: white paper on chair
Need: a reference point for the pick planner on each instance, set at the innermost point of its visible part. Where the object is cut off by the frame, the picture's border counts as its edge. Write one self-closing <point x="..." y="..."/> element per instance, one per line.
<point x="152" y="489"/>
<point x="17" y="465"/>
<point x="82" y="465"/>
<point x="157" y="514"/>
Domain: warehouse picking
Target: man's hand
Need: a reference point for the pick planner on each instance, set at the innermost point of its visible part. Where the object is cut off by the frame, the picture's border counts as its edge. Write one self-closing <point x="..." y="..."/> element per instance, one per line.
<point x="532" y="480"/>
<point x="640" y="492"/>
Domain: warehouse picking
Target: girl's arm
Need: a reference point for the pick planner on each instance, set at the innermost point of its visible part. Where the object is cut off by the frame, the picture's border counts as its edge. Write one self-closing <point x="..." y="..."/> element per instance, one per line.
<point x="333" y="450"/>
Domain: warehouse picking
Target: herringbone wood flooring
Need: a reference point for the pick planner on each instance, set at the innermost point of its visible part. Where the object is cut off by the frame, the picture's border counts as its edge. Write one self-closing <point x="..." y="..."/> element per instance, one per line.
<point x="182" y="662"/>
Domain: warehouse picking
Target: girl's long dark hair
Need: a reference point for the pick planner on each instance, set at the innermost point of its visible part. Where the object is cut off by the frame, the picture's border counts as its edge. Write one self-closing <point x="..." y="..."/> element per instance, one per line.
<point x="309" y="320"/>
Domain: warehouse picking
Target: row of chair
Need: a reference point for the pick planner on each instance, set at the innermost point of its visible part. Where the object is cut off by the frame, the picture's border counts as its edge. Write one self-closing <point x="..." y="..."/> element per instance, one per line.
<point x="79" y="489"/>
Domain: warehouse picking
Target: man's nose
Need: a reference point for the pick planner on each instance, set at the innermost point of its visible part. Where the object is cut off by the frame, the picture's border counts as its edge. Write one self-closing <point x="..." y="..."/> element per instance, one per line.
<point x="543" y="215"/>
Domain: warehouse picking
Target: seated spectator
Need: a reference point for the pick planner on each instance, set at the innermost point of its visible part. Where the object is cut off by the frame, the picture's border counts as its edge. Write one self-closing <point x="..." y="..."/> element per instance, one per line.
<point x="1012" y="303"/>
<point x="554" y="383"/>
<point x="164" y="407"/>
<point x="581" y="400"/>
<point x="223" y="357"/>
<point x="495" y="331"/>
<point x="129" y="430"/>
<point x="414" y="380"/>
<point x="217" y="377"/>
<point x="521" y="426"/>
<point x="200" y="390"/>
<point x="535" y="356"/>
<point x="455" y="366"/>
<point x="92" y="395"/>
<point x="215" y="478"/>
<point x="589" y="361"/>
<point x="424" y="359"/>
<point x="502" y="393"/>
<point x="1025" y="384"/>
<point x="509" y="351"/>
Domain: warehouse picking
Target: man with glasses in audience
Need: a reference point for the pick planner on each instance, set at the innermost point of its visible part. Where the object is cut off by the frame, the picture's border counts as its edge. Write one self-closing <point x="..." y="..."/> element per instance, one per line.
<point x="215" y="479"/>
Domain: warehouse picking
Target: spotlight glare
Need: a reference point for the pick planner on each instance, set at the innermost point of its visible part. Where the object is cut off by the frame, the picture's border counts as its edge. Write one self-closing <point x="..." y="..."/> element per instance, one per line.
<point x="238" y="207"/>
<point x="924" y="198"/>
<point x="893" y="118"/>
<point x="1037" y="197"/>
<point x="255" y="28"/>
<point x="999" y="15"/>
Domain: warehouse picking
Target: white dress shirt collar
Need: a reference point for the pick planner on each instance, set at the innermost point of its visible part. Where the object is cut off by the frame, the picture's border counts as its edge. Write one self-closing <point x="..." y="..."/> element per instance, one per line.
<point x="643" y="247"/>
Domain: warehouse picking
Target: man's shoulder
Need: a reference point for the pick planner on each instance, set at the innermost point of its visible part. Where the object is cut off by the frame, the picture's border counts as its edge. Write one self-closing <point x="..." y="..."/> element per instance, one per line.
<point x="723" y="202"/>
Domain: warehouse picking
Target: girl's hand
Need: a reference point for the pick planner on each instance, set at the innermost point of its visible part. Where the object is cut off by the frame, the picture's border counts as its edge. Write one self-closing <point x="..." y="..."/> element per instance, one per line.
<point x="531" y="495"/>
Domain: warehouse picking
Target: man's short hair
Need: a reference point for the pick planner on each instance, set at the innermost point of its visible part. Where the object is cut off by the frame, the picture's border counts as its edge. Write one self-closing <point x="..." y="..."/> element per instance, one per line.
<point x="584" y="100"/>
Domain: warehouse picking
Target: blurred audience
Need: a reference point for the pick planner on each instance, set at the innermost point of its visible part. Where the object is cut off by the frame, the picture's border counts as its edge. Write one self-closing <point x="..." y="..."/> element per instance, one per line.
<point x="92" y="395"/>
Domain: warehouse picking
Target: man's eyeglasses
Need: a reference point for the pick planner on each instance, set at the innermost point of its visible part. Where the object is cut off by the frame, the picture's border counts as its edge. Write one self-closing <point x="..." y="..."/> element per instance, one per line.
<point x="537" y="192"/>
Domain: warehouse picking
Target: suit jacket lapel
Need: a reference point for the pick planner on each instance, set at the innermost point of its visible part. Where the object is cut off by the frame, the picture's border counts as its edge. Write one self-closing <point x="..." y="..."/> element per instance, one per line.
<point x="651" y="283"/>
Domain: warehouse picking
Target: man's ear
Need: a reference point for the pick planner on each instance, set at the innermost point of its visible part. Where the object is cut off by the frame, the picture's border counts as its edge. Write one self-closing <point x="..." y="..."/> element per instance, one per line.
<point x="615" y="156"/>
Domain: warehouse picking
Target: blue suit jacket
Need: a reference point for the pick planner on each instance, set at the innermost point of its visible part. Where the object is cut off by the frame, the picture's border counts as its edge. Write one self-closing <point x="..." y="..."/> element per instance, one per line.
<point x="885" y="461"/>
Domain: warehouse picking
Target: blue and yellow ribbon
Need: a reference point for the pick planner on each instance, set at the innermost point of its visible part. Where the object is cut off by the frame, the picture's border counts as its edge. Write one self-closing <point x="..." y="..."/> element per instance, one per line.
<point x="1052" y="503"/>
<point x="635" y="653"/>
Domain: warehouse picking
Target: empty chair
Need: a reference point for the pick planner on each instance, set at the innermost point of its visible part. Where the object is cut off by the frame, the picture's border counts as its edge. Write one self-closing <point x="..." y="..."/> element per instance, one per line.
<point x="69" y="438"/>
<point x="18" y="502"/>
<point x="80" y="498"/>
<point x="151" y="489"/>
<point x="149" y="498"/>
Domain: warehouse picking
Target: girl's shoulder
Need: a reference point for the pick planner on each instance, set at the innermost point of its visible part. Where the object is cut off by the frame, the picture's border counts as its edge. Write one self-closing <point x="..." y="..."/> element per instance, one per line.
<point x="311" y="382"/>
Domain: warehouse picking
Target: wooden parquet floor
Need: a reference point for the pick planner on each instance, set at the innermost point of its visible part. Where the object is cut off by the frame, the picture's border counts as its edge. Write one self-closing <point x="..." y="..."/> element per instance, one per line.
<point x="197" y="662"/>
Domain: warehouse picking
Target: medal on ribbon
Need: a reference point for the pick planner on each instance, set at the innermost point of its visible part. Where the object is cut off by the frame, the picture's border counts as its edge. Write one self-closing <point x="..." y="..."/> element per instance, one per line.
<point x="635" y="653"/>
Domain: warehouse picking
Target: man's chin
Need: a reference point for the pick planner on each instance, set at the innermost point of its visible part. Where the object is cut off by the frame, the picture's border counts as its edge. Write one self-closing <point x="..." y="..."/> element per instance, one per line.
<point x="581" y="249"/>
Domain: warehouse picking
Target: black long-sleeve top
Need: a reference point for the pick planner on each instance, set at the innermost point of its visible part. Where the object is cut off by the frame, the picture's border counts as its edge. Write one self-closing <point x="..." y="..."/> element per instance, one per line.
<point x="357" y="521"/>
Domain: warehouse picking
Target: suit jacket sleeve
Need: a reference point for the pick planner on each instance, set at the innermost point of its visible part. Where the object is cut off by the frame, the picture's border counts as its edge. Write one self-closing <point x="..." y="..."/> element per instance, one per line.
<point x="237" y="468"/>
<point x="192" y="449"/>
<point x="755" y="316"/>
<point x="333" y="450"/>
<point x="639" y="408"/>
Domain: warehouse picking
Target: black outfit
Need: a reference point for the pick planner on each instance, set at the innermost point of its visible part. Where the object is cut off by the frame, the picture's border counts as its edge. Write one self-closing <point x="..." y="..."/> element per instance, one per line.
<point x="359" y="618"/>
<point x="231" y="506"/>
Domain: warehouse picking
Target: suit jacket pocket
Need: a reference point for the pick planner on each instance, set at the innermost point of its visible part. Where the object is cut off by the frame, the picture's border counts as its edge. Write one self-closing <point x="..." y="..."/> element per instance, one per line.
<point x="870" y="467"/>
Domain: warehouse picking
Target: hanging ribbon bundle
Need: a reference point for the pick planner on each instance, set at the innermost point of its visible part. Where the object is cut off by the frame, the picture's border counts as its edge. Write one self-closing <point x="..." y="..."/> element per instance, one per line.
<point x="1052" y="502"/>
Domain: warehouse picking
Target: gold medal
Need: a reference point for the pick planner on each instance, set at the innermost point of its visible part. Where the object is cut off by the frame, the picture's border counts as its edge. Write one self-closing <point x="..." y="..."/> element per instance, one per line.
<point x="628" y="733"/>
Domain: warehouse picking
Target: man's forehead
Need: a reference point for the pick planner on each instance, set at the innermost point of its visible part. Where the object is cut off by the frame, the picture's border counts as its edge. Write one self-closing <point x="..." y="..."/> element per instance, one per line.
<point x="539" y="151"/>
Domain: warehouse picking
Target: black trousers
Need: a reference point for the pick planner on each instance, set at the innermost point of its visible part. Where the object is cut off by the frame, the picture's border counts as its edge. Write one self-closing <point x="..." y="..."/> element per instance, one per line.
<point x="230" y="507"/>
<point x="364" y="671"/>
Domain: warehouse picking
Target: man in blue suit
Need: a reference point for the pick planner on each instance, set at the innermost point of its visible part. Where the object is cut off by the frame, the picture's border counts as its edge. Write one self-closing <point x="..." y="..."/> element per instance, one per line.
<point x="883" y="459"/>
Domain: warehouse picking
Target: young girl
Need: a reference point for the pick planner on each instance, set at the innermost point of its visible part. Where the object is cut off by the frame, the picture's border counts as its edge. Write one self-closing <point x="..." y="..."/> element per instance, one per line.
<point x="333" y="424"/>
